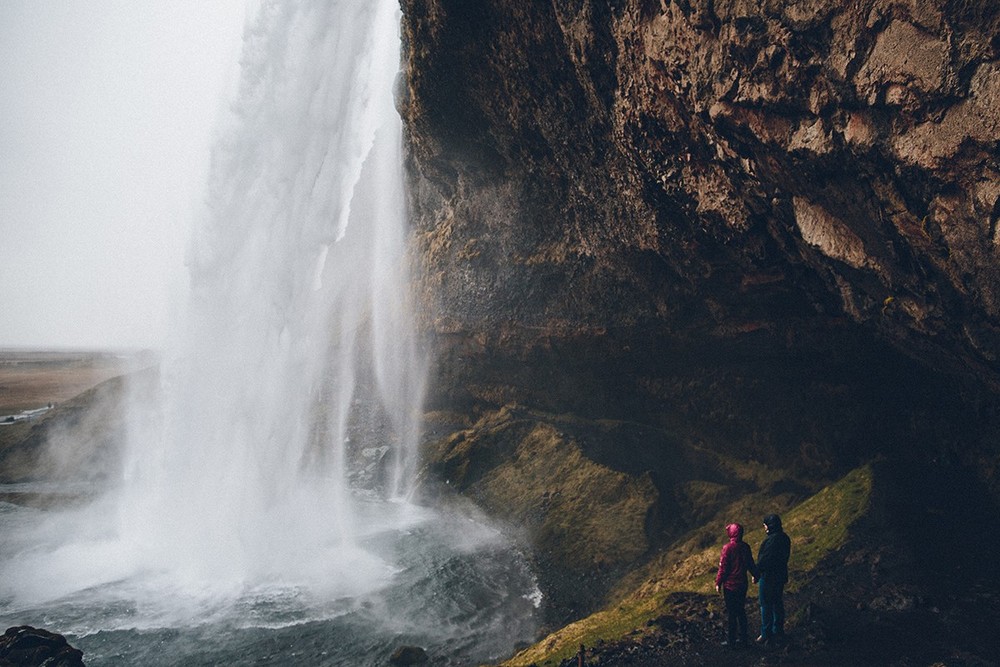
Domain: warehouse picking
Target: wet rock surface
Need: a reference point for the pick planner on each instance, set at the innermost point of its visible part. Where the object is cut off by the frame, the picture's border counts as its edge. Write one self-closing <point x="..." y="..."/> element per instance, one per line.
<point x="635" y="172"/>
<point x="25" y="646"/>
<point x="408" y="655"/>
<point x="708" y="167"/>
<point x="587" y="522"/>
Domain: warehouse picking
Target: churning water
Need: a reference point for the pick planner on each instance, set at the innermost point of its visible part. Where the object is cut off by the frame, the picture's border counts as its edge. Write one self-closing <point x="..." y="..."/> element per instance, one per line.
<point x="447" y="583"/>
<point x="262" y="515"/>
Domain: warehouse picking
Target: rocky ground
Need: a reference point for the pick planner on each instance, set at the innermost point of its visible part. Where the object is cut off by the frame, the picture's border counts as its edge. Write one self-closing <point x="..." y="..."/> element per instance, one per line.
<point x="903" y="625"/>
<point x="833" y="620"/>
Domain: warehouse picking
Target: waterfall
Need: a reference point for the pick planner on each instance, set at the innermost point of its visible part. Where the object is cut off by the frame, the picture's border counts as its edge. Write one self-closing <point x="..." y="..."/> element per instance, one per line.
<point x="297" y="365"/>
<point x="299" y="287"/>
<point x="264" y="496"/>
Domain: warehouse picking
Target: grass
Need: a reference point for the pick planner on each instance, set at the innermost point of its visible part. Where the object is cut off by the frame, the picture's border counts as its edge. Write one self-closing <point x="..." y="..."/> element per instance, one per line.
<point x="818" y="526"/>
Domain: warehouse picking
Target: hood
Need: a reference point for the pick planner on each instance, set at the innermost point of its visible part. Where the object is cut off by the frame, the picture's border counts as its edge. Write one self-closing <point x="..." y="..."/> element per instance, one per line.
<point x="735" y="531"/>
<point x="773" y="523"/>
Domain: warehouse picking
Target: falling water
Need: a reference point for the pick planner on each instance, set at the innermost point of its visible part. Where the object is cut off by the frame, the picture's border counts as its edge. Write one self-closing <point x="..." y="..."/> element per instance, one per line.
<point x="268" y="487"/>
<point x="299" y="289"/>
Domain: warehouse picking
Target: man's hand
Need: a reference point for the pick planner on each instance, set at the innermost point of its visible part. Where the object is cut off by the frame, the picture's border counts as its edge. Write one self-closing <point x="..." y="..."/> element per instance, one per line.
<point x="718" y="588"/>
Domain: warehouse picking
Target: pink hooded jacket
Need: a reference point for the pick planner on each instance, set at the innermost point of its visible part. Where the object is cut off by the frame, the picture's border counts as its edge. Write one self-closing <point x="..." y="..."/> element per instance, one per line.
<point x="736" y="560"/>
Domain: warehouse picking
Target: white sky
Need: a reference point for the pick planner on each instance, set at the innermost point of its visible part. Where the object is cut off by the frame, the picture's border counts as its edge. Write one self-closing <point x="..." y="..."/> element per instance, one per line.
<point x="106" y="114"/>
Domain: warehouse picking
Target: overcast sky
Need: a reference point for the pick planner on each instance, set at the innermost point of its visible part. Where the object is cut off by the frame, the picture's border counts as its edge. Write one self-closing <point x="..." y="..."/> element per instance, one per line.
<point x="106" y="114"/>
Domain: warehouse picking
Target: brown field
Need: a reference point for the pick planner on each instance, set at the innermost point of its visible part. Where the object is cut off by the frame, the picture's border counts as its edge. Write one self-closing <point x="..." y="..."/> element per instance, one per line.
<point x="31" y="379"/>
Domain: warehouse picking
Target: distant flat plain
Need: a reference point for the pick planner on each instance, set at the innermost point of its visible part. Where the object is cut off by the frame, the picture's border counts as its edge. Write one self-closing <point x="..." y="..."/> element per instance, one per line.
<point x="31" y="379"/>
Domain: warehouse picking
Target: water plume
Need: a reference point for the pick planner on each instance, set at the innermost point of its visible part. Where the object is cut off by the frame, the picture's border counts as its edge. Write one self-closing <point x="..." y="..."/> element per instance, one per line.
<point x="299" y="287"/>
<point x="298" y="315"/>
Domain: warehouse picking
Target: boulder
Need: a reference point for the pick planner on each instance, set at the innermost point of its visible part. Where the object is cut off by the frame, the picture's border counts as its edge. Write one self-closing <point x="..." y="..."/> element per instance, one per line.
<point x="25" y="646"/>
<point x="408" y="655"/>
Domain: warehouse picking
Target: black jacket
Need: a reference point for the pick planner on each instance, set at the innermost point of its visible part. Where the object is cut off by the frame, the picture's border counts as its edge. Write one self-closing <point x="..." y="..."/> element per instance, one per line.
<point x="772" y="559"/>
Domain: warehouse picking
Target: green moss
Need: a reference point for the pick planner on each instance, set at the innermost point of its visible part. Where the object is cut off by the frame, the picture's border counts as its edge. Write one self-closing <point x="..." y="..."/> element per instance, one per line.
<point x="527" y="471"/>
<point x="582" y="513"/>
<point x="818" y="526"/>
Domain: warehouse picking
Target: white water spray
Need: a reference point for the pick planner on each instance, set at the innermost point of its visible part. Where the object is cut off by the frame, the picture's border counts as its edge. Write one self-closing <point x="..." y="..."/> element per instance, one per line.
<point x="299" y="288"/>
<point x="299" y="330"/>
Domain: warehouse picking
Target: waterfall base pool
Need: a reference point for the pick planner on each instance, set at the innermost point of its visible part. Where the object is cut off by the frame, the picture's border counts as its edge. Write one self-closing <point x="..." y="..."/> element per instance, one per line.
<point x="455" y="587"/>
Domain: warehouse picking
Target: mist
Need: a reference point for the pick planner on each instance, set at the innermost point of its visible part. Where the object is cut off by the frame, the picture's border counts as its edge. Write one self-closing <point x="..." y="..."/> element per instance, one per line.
<point x="109" y="112"/>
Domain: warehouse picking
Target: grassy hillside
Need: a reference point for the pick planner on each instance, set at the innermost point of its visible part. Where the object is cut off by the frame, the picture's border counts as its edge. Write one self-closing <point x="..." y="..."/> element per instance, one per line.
<point x="819" y="526"/>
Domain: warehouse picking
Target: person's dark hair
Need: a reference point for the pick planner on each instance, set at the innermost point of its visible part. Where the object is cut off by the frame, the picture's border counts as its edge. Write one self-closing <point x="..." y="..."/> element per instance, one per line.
<point x="773" y="522"/>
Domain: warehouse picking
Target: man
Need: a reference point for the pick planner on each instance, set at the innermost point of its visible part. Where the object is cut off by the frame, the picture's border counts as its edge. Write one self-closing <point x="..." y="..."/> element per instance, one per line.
<point x="772" y="574"/>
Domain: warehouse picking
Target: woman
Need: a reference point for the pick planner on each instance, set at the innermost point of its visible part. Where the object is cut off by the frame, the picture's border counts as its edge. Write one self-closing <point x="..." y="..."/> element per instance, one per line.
<point x="731" y="580"/>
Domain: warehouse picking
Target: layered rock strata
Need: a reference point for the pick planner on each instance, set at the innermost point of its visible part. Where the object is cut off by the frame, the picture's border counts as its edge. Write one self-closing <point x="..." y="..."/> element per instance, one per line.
<point x="709" y="168"/>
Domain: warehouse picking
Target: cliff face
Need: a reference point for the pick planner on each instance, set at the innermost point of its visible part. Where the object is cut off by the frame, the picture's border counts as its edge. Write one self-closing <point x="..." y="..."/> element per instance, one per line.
<point x="767" y="229"/>
<point x="710" y="168"/>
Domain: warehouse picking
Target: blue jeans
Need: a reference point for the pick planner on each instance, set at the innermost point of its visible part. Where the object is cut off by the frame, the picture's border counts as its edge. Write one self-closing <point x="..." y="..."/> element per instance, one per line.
<point x="772" y="608"/>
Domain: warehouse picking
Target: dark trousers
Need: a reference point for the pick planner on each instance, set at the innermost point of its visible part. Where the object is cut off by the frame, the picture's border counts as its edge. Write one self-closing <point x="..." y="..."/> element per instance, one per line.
<point x="772" y="609"/>
<point x="736" y="610"/>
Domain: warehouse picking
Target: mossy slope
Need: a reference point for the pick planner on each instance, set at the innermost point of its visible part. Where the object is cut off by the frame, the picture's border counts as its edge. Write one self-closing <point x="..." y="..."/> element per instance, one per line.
<point x="818" y="526"/>
<point x="583" y="519"/>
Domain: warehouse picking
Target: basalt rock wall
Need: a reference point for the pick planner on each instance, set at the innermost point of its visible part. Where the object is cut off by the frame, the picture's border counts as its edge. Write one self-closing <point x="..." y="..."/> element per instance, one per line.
<point x="771" y="222"/>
